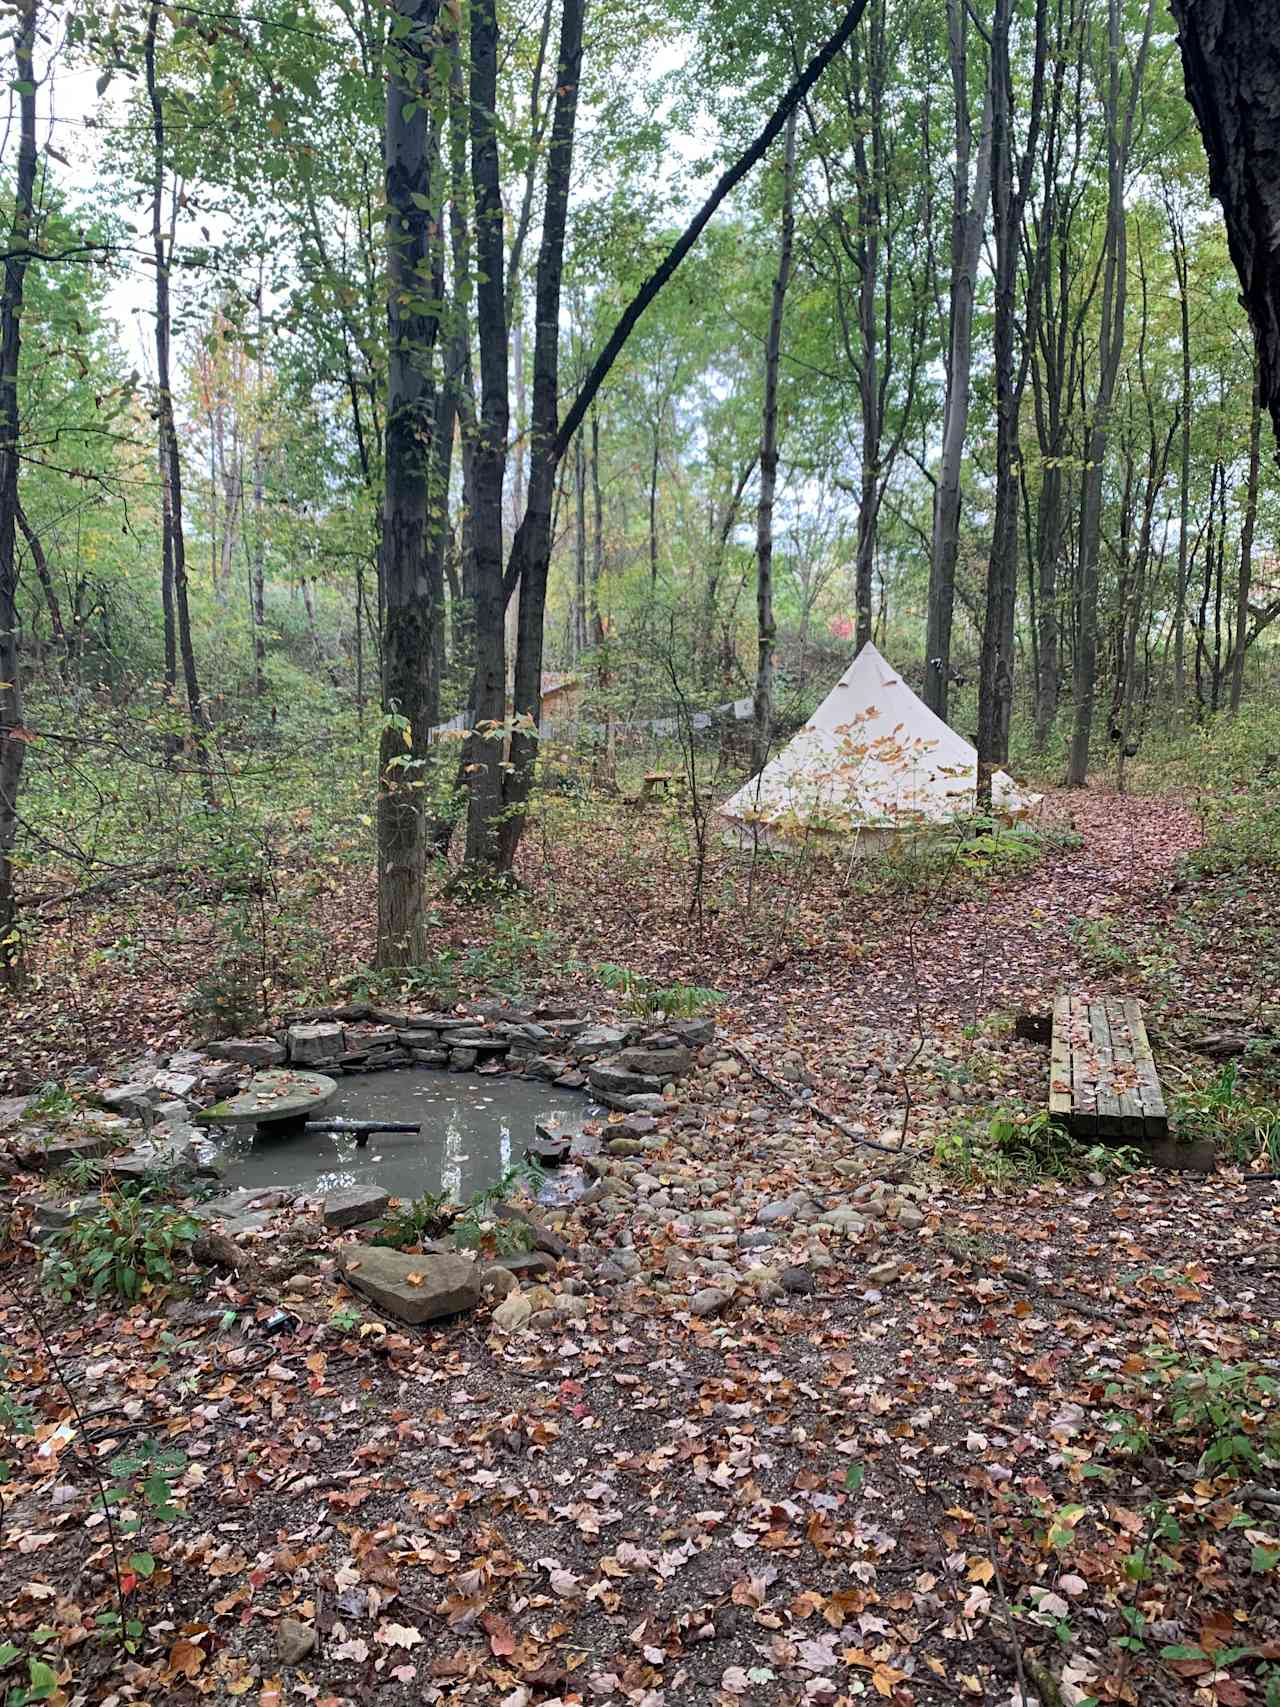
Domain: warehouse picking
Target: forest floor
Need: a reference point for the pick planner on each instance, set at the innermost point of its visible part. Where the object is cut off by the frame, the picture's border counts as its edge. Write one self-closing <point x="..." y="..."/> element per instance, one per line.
<point x="962" y="1461"/>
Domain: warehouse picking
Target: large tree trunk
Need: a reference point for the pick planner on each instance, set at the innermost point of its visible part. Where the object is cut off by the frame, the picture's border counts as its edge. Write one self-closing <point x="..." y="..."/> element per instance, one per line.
<point x="1009" y="187"/>
<point x="531" y="548"/>
<point x="968" y="221"/>
<point x="12" y="733"/>
<point x="489" y="691"/>
<point x="766" y="630"/>
<point x="1114" y="298"/>
<point x="1231" y="63"/>
<point x="174" y="542"/>
<point x="414" y="284"/>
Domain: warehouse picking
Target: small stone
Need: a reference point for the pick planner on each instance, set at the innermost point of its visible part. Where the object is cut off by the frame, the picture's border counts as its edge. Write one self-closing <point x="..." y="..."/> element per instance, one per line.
<point x="710" y="1301"/>
<point x="910" y="1216"/>
<point x="881" y="1273"/>
<point x="498" y="1280"/>
<point x="625" y="1147"/>
<point x="513" y="1313"/>
<point x="352" y="1205"/>
<point x="294" y="1641"/>
<point x="462" y="1060"/>
<point x="526" y="1264"/>
<point x="797" y="1280"/>
<point x="573" y="1308"/>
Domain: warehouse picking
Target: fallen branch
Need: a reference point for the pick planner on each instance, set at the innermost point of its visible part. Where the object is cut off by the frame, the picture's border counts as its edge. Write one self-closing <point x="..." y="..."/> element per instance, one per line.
<point x="1255" y="1494"/>
<point x="825" y="1114"/>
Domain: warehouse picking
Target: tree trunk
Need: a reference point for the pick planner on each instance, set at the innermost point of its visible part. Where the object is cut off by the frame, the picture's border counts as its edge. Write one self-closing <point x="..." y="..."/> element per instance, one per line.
<point x="12" y="734"/>
<point x="483" y="757"/>
<point x="1179" y="244"/>
<point x="1247" y="531"/>
<point x="1114" y="297"/>
<point x="968" y="221"/>
<point x="1009" y="192"/>
<point x="1231" y="63"/>
<point x="579" y="549"/>
<point x="414" y="262"/>
<point x="170" y="455"/>
<point x="766" y="630"/>
<point x="531" y="548"/>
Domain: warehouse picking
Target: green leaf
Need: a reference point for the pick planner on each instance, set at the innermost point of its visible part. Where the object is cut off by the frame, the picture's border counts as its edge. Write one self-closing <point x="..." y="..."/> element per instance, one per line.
<point x="1182" y="1651"/>
<point x="8" y="1653"/>
<point x="1264" y="1558"/>
<point x="854" y="1477"/>
<point x="44" y="1680"/>
<point x="143" y="1564"/>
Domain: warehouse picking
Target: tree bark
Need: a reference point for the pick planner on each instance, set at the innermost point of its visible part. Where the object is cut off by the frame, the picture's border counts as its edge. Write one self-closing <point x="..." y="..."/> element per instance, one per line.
<point x="1231" y="64"/>
<point x="414" y="260"/>
<point x="766" y="629"/>
<point x="12" y="734"/>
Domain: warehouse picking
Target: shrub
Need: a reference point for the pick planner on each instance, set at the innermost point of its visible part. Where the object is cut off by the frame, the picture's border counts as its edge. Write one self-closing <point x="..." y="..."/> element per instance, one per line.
<point x="128" y="1247"/>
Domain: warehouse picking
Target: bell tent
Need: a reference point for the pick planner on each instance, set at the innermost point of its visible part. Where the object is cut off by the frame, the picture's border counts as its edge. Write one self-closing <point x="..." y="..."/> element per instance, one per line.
<point x="871" y="763"/>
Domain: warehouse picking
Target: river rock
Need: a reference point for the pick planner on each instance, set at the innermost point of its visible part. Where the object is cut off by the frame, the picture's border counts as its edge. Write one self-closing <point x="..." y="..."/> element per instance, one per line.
<point x="294" y="1641"/>
<point x="498" y="1280"/>
<point x="412" y="1288"/>
<point x="597" y="1040"/>
<point x="352" y="1205"/>
<point x="513" y="1313"/>
<point x="710" y="1301"/>
<point x="797" y="1280"/>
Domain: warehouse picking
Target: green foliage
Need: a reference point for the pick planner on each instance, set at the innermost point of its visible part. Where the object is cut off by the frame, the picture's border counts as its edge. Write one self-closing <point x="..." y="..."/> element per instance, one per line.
<point x="1223" y="1417"/>
<point x="1225" y="1108"/>
<point x="1018" y="1143"/>
<point x="128" y="1247"/>
<point x="52" y="1102"/>
<point x="16" y="1417"/>
<point x="406" y="1224"/>
<point x="644" y="997"/>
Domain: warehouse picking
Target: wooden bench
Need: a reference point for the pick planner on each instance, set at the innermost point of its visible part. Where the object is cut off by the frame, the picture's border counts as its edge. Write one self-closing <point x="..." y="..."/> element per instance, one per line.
<point x="1102" y="1078"/>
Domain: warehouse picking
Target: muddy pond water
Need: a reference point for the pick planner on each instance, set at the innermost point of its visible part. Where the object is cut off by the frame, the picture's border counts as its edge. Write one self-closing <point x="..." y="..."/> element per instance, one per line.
<point x="471" y="1129"/>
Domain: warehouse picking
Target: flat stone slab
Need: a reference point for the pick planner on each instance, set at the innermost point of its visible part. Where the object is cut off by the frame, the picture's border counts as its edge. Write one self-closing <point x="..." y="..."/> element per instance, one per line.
<point x="413" y="1289"/>
<point x="354" y="1204"/>
<point x="235" y="1206"/>
<point x="250" y="1051"/>
<point x="278" y="1094"/>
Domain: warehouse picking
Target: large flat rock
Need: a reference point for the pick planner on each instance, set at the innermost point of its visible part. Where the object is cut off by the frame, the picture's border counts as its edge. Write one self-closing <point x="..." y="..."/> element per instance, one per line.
<point x="278" y="1094"/>
<point x="413" y="1288"/>
<point x="354" y="1204"/>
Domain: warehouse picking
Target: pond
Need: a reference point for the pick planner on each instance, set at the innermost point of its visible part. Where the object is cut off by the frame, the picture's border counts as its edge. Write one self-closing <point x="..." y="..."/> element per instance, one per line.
<point x="472" y="1129"/>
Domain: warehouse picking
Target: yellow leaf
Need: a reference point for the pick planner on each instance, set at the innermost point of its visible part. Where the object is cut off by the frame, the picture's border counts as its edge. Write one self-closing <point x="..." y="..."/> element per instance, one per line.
<point x="414" y="1279"/>
<point x="981" y="1571"/>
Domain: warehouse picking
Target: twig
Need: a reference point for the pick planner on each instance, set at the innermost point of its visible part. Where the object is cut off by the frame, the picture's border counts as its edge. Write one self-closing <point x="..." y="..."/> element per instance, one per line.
<point x="799" y="1102"/>
<point x="1253" y="1493"/>
<point x="1004" y="1600"/>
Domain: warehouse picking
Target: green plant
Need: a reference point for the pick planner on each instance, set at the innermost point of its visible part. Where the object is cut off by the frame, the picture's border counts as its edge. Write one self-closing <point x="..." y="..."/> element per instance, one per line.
<point x="642" y="996"/>
<point x="16" y="1418"/>
<point x="1226" y="1416"/>
<point x="409" y="1222"/>
<point x="52" y="1102"/>
<point x="127" y="1246"/>
<point x="1020" y="1142"/>
<point x="1098" y="945"/>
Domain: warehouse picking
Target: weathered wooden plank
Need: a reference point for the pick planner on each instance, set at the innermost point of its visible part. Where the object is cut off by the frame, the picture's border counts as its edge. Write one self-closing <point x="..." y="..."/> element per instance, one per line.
<point x="1084" y="1077"/>
<point x="1154" y="1113"/>
<point x="1108" y="1100"/>
<point x="1060" y="1062"/>
<point x="1131" y="1117"/>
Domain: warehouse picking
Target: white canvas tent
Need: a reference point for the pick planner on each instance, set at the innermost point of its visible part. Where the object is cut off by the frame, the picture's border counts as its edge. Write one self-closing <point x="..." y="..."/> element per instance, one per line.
<point x="872" y="762"/>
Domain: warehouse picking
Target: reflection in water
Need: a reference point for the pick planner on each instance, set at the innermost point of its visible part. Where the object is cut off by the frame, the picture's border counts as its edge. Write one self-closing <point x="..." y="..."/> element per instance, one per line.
<point x="470" y="1131"/>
